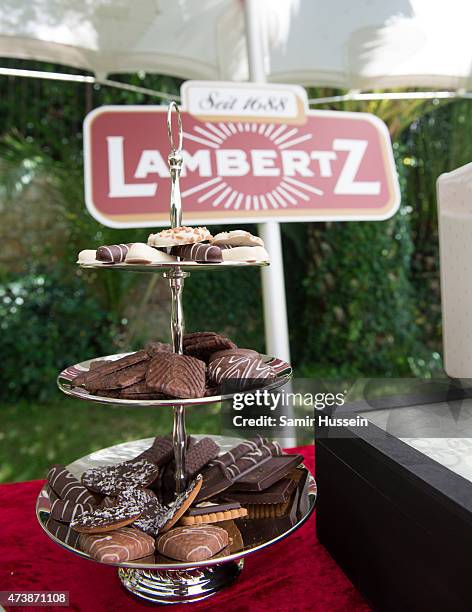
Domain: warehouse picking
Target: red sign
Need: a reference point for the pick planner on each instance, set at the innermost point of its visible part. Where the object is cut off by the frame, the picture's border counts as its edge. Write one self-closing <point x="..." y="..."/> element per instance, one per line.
<point x="332" y="166"/>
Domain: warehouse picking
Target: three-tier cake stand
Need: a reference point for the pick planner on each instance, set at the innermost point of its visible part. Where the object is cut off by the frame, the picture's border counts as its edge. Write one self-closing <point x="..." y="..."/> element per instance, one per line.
<point x="162" y="580"/>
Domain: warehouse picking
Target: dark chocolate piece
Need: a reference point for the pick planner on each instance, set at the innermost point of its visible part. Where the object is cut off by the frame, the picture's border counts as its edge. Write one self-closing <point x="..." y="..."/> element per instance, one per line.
<point x="176" y="375"/>
<point x="267" y="473"/>
<point x="203" y="253"/>
<point x="276" y="494"/>
<point x="112" y="479"/>
<point x="205" y="508"/>
<point x="221" y="473"/>
<point x="113" y="253"/>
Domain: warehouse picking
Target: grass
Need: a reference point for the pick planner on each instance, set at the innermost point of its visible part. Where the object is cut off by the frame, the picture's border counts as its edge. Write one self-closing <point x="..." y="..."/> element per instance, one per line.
<point x="35" y="436"/>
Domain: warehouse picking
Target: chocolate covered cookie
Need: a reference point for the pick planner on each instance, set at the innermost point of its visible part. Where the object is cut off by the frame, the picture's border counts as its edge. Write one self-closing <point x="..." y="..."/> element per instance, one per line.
<point x="161" y="451"/>
<point x="202" y="344"/>
<point x="113" y="253"/>
<point x="112" y="479"/>
<point x="90" y="377"/>
<point x="238" y="367"/>
<point x="154" y="347"/>
<point x="193" y="543"/>
<point x="66" y="511"/>
<point x="62" y="532"/>
<point x="176" y="375"/>
<point x="203" y="253"/>
<point x="67" y="487"/>
<point x="125" y="377"/>
<point x="121" y="545"/>
<point x="100" y="520"/>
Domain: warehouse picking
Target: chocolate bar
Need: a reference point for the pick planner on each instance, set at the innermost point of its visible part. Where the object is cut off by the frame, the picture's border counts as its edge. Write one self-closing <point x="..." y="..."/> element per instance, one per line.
<point x="221" y="473"/>
<point x="267" y="473"/>
<point x="278" y="493"/>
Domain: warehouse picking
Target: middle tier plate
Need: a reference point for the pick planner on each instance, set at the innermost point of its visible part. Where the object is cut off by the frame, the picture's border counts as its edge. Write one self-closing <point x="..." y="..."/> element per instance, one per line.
<point x="283" y="375"/>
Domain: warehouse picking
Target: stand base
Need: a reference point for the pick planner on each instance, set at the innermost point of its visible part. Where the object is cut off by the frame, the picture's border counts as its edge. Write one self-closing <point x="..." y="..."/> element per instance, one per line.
<point x="179" y="586"/>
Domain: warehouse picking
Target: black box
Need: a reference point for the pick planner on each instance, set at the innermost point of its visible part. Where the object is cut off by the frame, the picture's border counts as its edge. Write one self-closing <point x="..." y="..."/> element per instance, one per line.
<point x="397" y="521"/>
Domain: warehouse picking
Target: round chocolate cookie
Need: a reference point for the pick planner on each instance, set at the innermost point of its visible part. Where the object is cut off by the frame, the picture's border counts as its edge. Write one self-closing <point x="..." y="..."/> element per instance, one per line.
<point x="107" y="519"/>
<point x="112" y="479"/>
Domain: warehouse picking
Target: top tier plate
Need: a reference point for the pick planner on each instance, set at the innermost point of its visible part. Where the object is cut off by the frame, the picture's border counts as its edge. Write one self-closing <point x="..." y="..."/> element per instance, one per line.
<point x="185" y="266"/>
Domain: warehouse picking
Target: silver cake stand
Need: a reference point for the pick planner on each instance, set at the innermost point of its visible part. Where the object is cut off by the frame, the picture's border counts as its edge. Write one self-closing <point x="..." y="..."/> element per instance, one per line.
<point x="162" y="580"/>
<point x="158" y="579"/>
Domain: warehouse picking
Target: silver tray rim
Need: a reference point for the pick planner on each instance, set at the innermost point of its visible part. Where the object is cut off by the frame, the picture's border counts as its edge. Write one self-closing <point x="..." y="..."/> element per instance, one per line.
<point x="182" y="265"/>
<point x="41" y="513"/>
<point x="63" y="382"/>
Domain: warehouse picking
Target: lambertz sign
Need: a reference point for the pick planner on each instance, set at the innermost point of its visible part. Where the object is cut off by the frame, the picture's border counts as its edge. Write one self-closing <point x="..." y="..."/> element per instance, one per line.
<point x="251" y="154"/>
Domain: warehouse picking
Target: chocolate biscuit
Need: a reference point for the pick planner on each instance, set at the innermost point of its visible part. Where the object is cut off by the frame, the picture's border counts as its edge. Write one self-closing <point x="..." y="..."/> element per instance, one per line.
<point x="203" y="253"/>
<point x="106" y="367"/>
<point x="66" y="511"/>
<point x="231" y="367"/>
<point x="100" y="520"/>
<point x="112" y="479"/>
<point x="161" y="451"/>
<point x="202" y="344"/>
<point x="176" y="375"/>
<point x="62" y="532"/>
<point x="121" y="545"/>
<point x="154" y="347"/>
<point x="121" y="379"/>
<point x="68" y="487"/>
<point x="113" y="253"/>
<point x="193" y="543"/>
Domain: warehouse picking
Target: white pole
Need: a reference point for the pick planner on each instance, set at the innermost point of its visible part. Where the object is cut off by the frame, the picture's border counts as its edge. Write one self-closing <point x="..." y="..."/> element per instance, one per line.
<point x="273" y="283"/>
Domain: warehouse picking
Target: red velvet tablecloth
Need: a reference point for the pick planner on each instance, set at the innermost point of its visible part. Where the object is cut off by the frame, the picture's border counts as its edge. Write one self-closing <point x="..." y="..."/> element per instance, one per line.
<point x="295" y="574"/>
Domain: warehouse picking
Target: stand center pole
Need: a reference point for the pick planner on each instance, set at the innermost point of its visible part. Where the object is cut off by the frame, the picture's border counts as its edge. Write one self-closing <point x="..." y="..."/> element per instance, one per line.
<point x="176" y="282"/>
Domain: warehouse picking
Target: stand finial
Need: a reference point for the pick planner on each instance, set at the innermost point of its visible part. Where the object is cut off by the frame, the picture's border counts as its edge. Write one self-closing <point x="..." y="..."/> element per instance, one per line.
<point x="175" y="161"/>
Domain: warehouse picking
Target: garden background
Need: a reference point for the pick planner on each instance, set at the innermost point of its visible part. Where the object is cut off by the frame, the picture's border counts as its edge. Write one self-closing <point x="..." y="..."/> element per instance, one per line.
<point x="363" y="298"/>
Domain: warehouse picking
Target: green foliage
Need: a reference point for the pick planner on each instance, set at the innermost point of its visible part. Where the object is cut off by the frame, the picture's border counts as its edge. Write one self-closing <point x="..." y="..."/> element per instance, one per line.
<point x="362" y="298"/>
<point x="47" y="323"/>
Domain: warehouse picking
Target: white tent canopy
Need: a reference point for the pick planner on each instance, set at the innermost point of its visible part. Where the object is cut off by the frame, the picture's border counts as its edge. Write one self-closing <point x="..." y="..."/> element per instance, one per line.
<point x="353" y="44"/>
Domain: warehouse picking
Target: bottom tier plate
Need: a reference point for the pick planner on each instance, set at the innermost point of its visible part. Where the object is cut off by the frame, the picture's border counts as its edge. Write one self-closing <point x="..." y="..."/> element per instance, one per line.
<point x="163" y="580"/>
